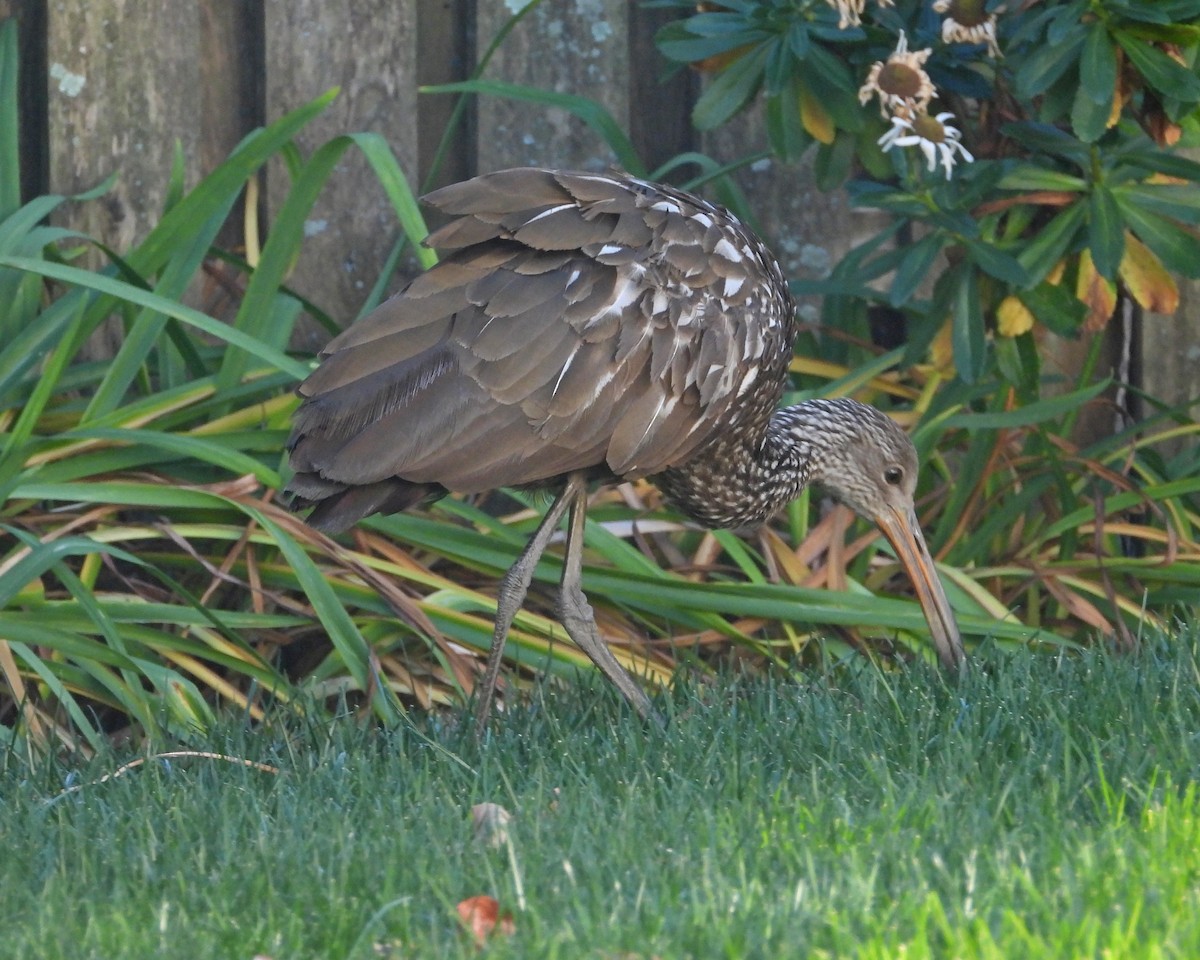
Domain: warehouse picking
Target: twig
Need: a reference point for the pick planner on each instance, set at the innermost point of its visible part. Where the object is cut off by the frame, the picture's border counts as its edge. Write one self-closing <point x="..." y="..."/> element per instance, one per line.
<point x="132" y="764"/>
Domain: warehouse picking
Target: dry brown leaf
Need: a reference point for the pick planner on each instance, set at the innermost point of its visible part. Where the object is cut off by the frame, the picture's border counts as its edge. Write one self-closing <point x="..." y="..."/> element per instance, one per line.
<point x="1099" y="294"/>
<point x="791" y="569"/>
<point x="719" y="61"/>
<point x="1076" y="605"/>
<point x="481" y="915"/>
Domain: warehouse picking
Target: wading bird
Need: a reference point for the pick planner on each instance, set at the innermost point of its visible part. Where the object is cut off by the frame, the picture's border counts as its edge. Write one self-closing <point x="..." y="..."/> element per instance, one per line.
<point x="587" y="327"/>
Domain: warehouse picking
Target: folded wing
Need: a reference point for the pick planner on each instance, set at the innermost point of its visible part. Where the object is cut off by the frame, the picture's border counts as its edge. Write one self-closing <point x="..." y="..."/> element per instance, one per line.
<point x="576" y="322"/>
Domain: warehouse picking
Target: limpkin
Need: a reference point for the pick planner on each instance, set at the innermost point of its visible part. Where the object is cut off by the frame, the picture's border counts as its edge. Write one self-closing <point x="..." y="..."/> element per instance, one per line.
<point x="587" y="327"/>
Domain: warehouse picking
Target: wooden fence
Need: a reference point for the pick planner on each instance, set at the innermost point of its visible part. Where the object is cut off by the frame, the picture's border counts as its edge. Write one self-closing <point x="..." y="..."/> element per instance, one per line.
<point x="113" y="85"/>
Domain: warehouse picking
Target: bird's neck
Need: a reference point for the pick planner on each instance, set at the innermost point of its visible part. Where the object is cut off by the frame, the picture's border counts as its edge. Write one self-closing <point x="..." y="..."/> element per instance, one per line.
<point x="742" y="478"/>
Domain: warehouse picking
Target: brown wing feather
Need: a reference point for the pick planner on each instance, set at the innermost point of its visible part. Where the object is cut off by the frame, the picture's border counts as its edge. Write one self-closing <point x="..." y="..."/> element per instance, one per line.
<point x="580" y="322"/>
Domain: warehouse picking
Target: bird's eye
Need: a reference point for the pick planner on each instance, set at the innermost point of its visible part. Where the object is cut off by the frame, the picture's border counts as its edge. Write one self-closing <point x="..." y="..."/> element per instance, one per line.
<point x="893" y="475"/>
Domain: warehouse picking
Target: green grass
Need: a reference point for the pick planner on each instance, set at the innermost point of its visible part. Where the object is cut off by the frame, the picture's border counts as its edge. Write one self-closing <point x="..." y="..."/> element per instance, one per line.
<point x="1044" y="807"/>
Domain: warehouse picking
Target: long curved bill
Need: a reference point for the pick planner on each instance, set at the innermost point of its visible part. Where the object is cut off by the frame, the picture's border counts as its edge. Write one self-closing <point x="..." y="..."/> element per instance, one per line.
<point x="904" y="533"/>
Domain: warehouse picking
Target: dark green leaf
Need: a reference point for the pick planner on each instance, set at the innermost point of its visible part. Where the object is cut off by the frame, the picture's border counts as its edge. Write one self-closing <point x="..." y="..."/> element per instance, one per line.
<point x="1160" y="71"/>
<point x="45" y="555"/>
<point x="1027" y="176"/>
<point x="999" y="264"/>
<point x="777" y="69"/>
<point x="1176" y="202"/>
<point x="689" y="48"/>
<point x="1048" y="63"/>
<point x="1039" y="411"/>
<point x="834" y="161"/>
<point x="1171" y="164"/>
<point x="1048" y="139"/>
<point x="828" y="70"/>
<point x="1181" y="34"/>
<point x="916" y="263"/>
<point x="730" y="91"/>
<point x="883" y="197"/>
<point x="1052" y="242"/>
<point x="1098" y="65"/>
<point x="1055" y="307"/>
<point x="134" y="295"/>
<point x="1171" y="243"/>
<point x="1145" y="11"/>
<point x="1065" y="20"/>
<point x="967" y="333"/>
<point x="784" y="129"/>
<point x="1089" y="119"/>
<point x="718" y="23"/>
<point x="1015" y="363"/>
<point x="1106" y="231"/>
<point x="798" y="41"/>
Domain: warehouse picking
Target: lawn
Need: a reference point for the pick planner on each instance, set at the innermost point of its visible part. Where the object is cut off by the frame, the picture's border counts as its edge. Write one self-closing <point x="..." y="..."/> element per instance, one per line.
<point x="1043" y="807"/>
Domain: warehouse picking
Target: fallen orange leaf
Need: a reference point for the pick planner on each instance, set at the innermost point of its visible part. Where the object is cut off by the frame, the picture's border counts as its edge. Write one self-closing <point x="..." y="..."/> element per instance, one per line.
<point x="482" y="915"/>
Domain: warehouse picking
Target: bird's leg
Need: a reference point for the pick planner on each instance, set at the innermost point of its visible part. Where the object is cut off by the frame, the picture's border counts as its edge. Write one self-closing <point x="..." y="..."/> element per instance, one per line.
<point x="512" y="592"/>
<point x="579" y="620"/>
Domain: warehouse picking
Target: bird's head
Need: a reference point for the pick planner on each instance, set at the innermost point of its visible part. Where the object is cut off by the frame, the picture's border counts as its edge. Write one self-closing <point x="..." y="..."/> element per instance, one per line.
<point x="865" y="460"/>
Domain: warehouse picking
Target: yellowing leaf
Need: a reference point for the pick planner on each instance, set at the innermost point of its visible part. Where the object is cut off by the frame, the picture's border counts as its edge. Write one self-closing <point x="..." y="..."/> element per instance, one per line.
<point x="941" y="351"/>
<point x="1146" y="279"/>
<point x="1114" y="115"/>
<point x="815" y="119"/>
<point x="1099" y="294"/>
<point x="1056" y="272"/>
<point x="1013" y="317"/>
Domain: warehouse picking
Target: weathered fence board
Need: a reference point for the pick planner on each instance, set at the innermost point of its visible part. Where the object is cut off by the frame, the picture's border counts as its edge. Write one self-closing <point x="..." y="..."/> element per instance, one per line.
<point x="369" y="50"/>
<point x="1169" y="352"/>
<point x="579" y="47"/>
<point x="109" y="113"/>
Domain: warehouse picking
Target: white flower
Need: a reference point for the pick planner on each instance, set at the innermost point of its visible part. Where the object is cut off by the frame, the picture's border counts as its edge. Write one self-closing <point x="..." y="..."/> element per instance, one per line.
<point x="936" y="138"/>
<point x="968" y="22"/>
<point x="900" y="82"/>
<point x="850" y="11"/>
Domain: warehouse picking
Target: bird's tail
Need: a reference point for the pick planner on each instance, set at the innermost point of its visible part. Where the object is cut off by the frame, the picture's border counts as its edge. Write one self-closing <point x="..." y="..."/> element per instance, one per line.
<point x="338" y="506"/>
